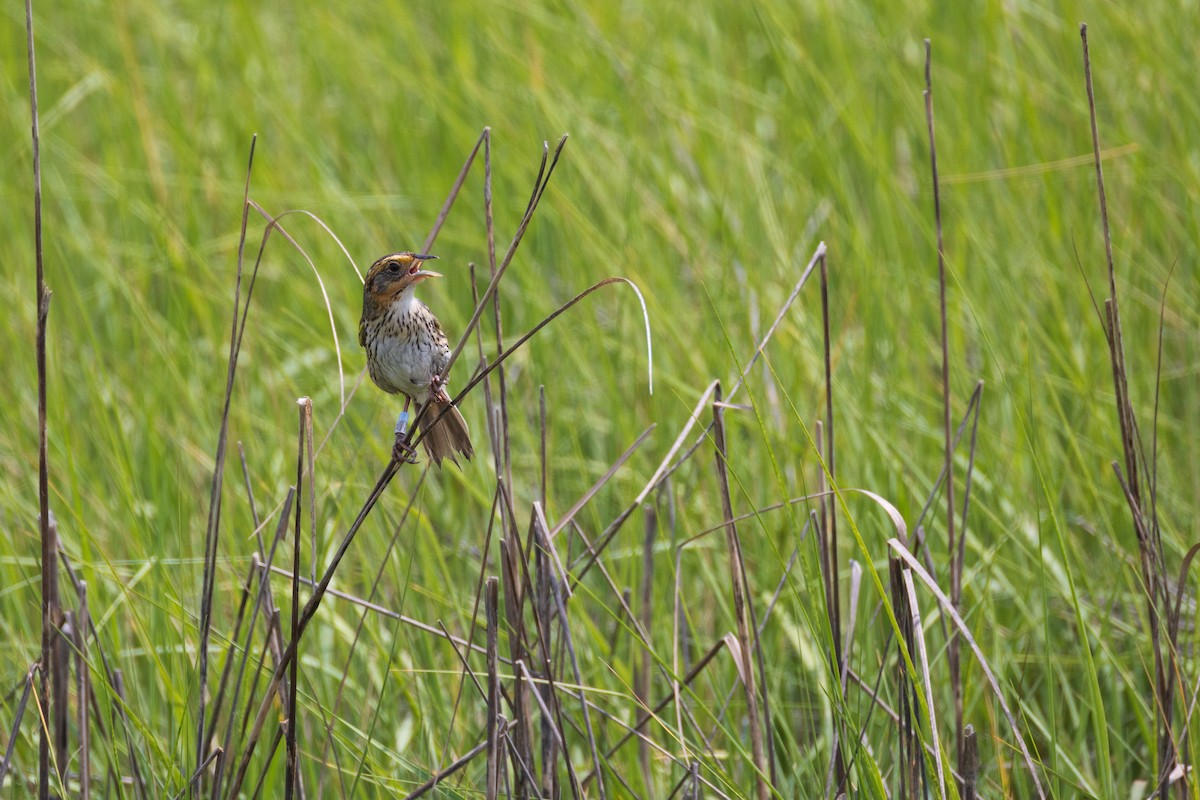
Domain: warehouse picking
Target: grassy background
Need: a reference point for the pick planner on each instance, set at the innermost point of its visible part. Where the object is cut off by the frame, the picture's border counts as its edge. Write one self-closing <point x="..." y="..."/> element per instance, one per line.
<point x="711" y="149"/>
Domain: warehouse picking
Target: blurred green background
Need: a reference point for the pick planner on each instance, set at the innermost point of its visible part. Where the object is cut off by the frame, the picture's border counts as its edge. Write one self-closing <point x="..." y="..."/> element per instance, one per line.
<point x="712" y="146"/>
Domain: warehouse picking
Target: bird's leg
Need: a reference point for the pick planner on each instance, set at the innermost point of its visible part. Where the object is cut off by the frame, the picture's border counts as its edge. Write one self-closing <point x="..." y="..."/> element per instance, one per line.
<point x="402" y="451"/>
<point x="437" y="389"/>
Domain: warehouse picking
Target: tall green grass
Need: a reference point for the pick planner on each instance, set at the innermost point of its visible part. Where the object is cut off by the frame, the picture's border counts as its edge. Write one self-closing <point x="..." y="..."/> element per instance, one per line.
<point x="711" y="149"/>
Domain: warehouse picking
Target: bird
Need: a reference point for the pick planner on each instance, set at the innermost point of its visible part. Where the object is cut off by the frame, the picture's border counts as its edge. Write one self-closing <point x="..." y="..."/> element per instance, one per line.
<point x="407" y="354"/>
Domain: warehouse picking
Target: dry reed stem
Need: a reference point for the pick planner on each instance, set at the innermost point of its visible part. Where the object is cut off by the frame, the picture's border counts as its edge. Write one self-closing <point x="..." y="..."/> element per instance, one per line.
<point x="737" y="576"/>
<point x="83" y="619"/>
<point x="952" y="655"/>
<point x="1154" y="572"/>
<point x="969" y="767"/>
<point x="16" y="726"/>
<point x="495" y="760"/>
<point x="46" y="530"/>
<point x="212" y="530"/>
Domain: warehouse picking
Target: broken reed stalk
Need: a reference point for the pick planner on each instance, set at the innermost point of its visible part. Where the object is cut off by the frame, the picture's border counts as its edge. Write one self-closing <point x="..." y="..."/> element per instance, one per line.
<point x="952" y="654"/>
<point x="970" y="762"/>
<point x="1148" y="534"/>
<point x="737" y="573"/>
<point x="46" y="529"/>
<point x="59" y="703"/>
<point x="545" y="589"/>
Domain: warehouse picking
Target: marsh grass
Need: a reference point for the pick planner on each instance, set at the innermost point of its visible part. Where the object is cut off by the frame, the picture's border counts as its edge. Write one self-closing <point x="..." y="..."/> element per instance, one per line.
<point x="556" y="619"/>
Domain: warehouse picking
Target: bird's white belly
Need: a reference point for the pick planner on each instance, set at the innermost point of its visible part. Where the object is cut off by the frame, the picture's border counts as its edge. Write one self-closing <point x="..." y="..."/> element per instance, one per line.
<point x="403" y="366"/>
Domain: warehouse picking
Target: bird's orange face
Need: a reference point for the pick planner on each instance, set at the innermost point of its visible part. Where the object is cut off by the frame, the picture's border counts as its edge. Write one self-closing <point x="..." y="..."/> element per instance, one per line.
<point x="392" y="274"/>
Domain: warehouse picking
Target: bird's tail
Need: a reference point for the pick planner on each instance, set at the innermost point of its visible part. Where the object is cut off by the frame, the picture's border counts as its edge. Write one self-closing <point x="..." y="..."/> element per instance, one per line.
<point x="445" y="435"/>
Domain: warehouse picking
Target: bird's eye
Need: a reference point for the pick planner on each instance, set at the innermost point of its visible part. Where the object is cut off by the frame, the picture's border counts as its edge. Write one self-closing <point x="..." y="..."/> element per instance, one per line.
<point x="393" y="267"/>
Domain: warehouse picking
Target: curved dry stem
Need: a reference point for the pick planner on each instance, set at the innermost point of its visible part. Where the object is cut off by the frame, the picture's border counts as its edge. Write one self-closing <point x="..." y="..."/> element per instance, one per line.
<point x="272" y="224"/>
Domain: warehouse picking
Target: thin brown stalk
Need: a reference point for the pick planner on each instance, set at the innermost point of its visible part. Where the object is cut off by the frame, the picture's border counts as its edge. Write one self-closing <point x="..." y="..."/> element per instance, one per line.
<point x="502" y="384"/>
<point x="522" y="746"/>
<point x="450" y="769"/>
<point x="542" y="180"/>
<point x="720" y="717"/>
<point x="274" y="748"/>
<point x="46" y="531"/>
<point x="81" y="666"/>
<point x="212" y="530"/>
<point x="462" y="658"/>
<point x="310" y="610"/>
<point x="234" y="638"/>
<point x="16" y="726"/>
<point x="389" y="614"/>
<point x="453" y="194"/>
<point x="495" y="761"/>
<point x="587" y="496"/>
<point x="544" y="588"/>
<point x="58" y="706"/>
<point x="830" y="520"/>
<point x="362" y="619"/>
<point x="293" y="765"/>
<point x="641" y="679"/>
<point x="856" y="573"/>
<point x="909" y="770"/>
<point x="587" y="717"/>
<point x="1149" y="541"/>
<point x="109" y="672"/>
<point x="952" y="655"/>
<point x="542" y="459"/>
<point x="199" y="773"/>
<point x="553" y="725"/>
<point x="737" y="573"/>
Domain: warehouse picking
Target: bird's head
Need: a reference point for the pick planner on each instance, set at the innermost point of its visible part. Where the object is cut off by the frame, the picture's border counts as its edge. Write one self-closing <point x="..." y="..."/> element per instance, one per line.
<point x="391" y="275"/>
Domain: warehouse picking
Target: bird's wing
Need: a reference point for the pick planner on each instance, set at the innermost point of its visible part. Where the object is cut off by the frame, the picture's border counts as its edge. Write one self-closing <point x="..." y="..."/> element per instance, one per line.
<point x="362" y="331"/>
<point x="441" y="346"/>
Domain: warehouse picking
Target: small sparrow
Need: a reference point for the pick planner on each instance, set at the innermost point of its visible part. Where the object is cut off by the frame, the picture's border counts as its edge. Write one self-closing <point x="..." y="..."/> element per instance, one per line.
<point x="407" y="353"/>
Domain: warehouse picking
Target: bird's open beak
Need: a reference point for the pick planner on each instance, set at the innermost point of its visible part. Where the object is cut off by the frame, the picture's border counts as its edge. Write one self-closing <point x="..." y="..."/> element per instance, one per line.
<point x="419" y="273"/>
